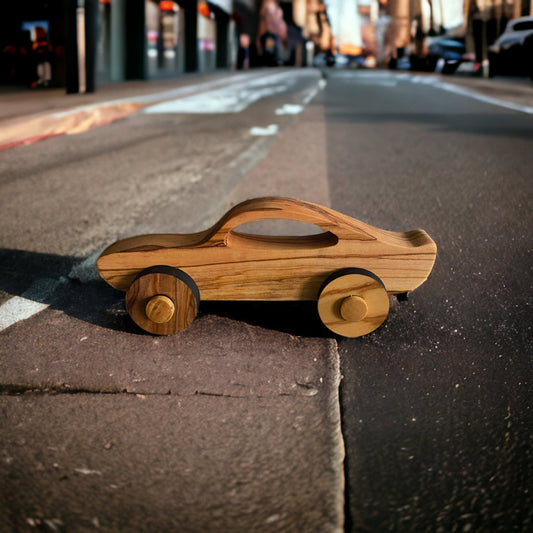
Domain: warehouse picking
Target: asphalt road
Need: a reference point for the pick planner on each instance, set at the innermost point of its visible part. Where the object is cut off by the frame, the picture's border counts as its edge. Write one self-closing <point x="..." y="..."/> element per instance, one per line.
<point x="435" y="404"/>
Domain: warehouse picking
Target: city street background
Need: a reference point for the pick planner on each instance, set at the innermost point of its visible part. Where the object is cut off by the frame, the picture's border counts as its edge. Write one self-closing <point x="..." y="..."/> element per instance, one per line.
<point x="256" y="417"/>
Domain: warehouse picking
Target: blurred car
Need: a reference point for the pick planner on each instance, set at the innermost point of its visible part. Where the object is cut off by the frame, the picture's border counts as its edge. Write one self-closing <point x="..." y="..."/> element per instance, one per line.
<point x="341" y="60"/>
<point x="324" y="59"/>
<point x="445" y="55"/>
<point x="355" y="61"/>
<point x="512" y="53"/>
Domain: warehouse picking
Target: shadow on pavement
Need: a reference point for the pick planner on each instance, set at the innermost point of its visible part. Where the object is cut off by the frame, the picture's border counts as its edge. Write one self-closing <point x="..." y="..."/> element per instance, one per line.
<point x="45" y="278"/>
<point x="500" y="125"/>
<point x="295" y="318"/>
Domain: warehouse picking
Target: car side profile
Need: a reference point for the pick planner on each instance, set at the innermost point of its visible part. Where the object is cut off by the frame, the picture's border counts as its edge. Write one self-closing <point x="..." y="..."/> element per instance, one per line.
<point x="350" y="268"/>
<point x="445" y="55"/>
<point x="512" y="52"/>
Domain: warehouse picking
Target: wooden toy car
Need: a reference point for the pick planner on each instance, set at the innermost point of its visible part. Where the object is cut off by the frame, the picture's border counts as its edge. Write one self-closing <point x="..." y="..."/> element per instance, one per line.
<point x="350" y="268"/>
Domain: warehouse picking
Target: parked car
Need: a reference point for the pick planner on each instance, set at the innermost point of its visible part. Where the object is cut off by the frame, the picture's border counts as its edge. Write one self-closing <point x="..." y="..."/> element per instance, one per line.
<point x="512" y="53"/>
<point x="445" y="55"/>
<point x="324" y="59"/>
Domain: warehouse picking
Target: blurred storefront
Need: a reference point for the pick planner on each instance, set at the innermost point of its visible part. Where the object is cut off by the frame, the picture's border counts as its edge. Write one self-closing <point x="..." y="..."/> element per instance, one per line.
<point x="408" y="27"/>
<point x="163" y="38"/>
<point x="100" y="41"/>
<point x="165" y="32"/>
<point x="20" y="23"/>
<point x="217" y="39"/>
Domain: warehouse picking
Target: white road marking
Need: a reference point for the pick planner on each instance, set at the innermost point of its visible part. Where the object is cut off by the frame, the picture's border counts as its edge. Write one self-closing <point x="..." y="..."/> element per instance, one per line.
<point x="30" y="303"/>
<point x="271" y="129"/>
<point x="314" y="91"/>
<point x="390" y="80"/>
<point x="483" y="98"/>
<point x="233" y="98"/>
<point x="88" y="472"/>
<point x="463" y="91"/>
<point x="17" y="309"/>
<point x="156" y="97"/>
<point x="290" y="109"/>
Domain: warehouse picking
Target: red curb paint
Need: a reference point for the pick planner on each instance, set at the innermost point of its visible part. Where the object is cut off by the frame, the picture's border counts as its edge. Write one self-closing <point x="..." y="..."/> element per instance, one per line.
<point x="30" y="140"/>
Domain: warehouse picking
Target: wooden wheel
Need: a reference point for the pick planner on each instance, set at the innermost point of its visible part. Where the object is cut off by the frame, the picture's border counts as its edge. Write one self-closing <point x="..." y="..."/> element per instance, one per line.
<point x="353" y="302"/>
<point x="163" y="300"/>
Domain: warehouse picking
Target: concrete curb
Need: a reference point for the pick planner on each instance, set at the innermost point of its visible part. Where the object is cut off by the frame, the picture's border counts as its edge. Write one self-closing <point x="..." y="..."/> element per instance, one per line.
<point x="75" y="121"/>
<point x="31" y="128"/>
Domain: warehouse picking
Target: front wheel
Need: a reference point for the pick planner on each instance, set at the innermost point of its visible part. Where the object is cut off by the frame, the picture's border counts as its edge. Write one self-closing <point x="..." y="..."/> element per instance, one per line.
<point x="353" y="302"/>
<point x="163" y="300"/>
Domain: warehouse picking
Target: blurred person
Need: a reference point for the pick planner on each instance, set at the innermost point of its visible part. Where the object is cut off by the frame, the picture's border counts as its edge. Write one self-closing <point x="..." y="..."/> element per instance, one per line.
<point x="42" y="51"/>
<point x="272" y="32"/>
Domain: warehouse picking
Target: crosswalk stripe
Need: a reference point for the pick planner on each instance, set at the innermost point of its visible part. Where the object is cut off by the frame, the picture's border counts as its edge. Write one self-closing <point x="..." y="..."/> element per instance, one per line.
<point x="18" y="308"/>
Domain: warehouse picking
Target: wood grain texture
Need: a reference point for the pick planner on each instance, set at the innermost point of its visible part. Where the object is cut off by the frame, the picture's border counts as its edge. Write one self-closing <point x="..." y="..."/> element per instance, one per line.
<point x="160" y="309"/>
<point x="229" y="265"/>
<point x="148" y="298"/>
<point x="353" y="302"/>
<point x="353" y="308"/>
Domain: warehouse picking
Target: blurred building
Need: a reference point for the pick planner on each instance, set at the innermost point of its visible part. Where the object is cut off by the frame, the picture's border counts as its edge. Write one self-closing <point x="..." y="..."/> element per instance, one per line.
<point x="406" y="26"/>
<point x="100" y="41"/>
<point x="485" y="21"/>
<point x="96" y="41"/>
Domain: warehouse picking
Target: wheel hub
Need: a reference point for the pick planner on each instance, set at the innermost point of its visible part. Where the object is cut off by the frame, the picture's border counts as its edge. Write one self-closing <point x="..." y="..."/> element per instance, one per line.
<point x="354" y="308"/>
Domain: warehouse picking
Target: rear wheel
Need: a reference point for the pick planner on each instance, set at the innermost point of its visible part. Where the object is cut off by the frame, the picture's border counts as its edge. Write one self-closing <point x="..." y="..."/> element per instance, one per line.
<point x="353" y="302"/>
<point x="163" y="300"/>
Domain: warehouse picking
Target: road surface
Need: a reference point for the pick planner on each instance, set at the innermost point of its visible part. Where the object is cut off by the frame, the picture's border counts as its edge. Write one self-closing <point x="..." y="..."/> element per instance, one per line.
<point x="436" y="419"/>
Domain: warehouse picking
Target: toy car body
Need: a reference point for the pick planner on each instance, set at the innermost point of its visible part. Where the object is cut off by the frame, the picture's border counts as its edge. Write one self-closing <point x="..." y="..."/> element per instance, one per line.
<point x="224" y="264"/>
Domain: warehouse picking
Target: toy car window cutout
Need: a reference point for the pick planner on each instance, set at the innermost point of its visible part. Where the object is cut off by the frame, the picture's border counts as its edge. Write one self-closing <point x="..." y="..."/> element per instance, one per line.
<point x="349" y="269"/>
<point x="282" y="233"/>
<point x="321" y="240"/>
<point x="279" y="227"/>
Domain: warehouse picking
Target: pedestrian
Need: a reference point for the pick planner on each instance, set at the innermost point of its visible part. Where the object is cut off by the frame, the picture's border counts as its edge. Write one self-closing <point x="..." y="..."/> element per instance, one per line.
<point x="42" y="51"/>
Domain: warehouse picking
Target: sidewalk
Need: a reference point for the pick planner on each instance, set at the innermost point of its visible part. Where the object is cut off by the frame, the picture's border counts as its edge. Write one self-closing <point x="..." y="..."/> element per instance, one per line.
<point x="27" y="116"/>
<point x="227" y="427"/>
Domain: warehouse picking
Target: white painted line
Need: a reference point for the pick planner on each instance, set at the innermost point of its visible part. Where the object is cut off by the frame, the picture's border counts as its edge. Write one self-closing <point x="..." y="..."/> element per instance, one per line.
<point x="232" y="98"/>
<point x="483" y="98"/>
<point x="271" y="129"/>
<point x="87" y="471"/>
<point x="418" y="79"/>
<point x="462" y="91"/>
<point x="17" y="309"/>
<point x="314" y="91"/>
<point x="29" y="303"/>
<point x="156" y="97"/>
<point x="290" y="109"/>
